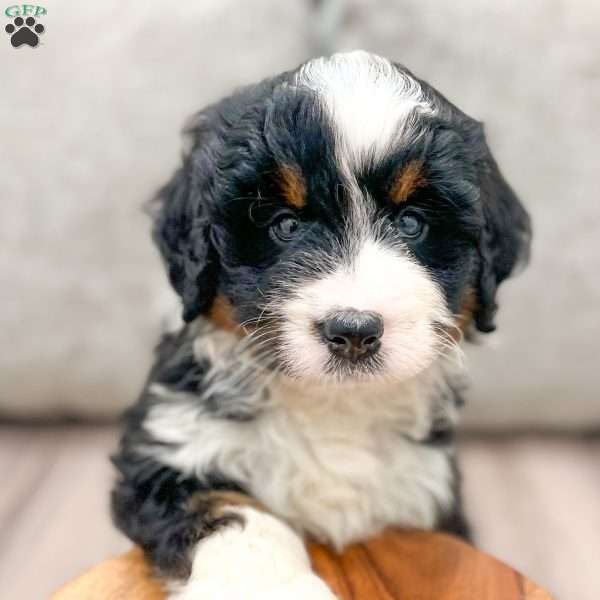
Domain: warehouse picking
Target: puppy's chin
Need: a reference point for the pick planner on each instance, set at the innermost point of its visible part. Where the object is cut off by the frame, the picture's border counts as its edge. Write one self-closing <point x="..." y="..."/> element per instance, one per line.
<point x="337" y="373"/>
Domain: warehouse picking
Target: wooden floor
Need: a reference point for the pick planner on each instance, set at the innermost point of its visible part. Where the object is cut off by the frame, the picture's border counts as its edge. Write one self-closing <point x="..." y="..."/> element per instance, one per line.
<point x="534" y="502"/>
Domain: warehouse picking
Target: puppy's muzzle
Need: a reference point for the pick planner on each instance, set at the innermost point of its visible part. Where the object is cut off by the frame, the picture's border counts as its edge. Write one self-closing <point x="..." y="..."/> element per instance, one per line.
<point x="352" y="334"/>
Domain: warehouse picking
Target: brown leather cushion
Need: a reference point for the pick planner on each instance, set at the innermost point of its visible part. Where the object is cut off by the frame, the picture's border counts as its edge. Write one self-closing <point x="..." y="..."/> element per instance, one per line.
<point x="395" y="565"/>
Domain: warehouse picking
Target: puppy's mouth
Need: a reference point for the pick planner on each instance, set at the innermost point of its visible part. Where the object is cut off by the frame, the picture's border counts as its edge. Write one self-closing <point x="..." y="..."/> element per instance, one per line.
<point x="342" y="369"/>
<point x="344" y="345"/>
<point x="347" y="347"/>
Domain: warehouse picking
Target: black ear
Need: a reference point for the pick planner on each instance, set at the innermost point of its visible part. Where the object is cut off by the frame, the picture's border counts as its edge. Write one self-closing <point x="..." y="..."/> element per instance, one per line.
<point x="181" y="212"/>
<point x="505" y="239"/>
<point x="182" y="233"/>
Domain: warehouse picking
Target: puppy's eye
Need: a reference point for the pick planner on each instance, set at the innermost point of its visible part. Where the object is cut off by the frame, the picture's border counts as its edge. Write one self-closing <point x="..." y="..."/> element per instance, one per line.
<point x="284" y="229"/>
<point x="412" y="225"/>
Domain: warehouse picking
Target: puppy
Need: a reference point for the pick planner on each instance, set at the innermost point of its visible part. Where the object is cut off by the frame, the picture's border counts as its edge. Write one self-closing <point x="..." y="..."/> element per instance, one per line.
<point x="331" y="233"/>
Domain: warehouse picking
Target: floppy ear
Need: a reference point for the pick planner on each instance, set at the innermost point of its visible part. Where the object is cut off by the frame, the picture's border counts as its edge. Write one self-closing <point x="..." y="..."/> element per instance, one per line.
<point x="505" y="239"/>
<point x="182" y="233"/>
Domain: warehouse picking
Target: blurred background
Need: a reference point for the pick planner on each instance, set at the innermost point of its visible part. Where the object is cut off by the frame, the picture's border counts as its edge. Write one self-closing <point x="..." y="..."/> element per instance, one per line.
<point x="90" y="123"/>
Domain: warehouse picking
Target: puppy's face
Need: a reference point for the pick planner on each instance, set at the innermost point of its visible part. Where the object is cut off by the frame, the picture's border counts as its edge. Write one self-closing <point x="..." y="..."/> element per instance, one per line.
<point x="346" y="215"/>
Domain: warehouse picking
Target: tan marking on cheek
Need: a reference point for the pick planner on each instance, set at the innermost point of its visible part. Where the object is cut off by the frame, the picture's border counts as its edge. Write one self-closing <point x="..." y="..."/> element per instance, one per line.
<point x="293" y="186"/>
<point x="216" y="502"/>
<point x="223" y="315"/>
<point x="407" y="182"/>
<point x="468" y="307"/>
<point x="231" y="498"/>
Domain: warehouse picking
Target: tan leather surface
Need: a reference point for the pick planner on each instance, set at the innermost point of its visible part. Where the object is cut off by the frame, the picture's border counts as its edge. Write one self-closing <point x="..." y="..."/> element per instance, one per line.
<point x="394" y="566"/>
<point x="420" y="566"/>
<point x="125" y="577"/>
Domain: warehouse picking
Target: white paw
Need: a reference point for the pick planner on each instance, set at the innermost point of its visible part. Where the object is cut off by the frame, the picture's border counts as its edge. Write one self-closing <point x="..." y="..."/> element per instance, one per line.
<point x="303" y="587"/>
<point x="263" y="560"/>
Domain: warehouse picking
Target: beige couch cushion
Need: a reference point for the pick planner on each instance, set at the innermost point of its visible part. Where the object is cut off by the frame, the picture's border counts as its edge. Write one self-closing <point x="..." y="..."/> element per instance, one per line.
<point x="90" y="124"/>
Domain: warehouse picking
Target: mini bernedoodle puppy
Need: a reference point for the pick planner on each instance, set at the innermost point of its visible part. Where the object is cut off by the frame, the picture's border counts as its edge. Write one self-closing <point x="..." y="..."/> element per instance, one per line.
<point x="332" y="233"/>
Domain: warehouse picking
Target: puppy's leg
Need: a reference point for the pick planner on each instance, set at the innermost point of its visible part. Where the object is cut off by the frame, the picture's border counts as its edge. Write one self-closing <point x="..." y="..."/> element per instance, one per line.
<point x="209" y="540"/>
<point x="255" y="556"/>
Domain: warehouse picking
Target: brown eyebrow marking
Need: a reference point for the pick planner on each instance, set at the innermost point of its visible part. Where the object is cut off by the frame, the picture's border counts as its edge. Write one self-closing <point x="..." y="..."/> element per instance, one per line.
<point x="293" y="186"/>
<point x="410" y="178"/>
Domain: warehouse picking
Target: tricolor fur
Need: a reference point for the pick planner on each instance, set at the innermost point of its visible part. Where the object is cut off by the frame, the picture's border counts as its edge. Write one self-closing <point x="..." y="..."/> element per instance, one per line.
<point x="346" y="193"/>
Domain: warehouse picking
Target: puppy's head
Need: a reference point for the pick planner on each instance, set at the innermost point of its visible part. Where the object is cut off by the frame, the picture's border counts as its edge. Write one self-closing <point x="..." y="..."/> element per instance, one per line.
<point x="346" y="215"/>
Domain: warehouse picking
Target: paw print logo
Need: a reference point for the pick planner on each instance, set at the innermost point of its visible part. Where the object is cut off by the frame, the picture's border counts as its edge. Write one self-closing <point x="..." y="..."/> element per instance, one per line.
<point x="24" y="32"/>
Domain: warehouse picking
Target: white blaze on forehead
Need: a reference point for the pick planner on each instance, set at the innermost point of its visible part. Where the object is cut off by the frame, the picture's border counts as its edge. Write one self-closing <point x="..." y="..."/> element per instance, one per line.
<point x="368" y="99"/>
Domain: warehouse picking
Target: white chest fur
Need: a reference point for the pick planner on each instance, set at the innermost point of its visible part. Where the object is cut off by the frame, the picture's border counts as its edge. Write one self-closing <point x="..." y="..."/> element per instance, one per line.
<point x="339" y="464"/>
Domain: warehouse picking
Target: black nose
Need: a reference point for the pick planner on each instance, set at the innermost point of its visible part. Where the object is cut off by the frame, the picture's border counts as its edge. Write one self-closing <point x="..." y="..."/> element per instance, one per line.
<point x="353" y="334"/>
